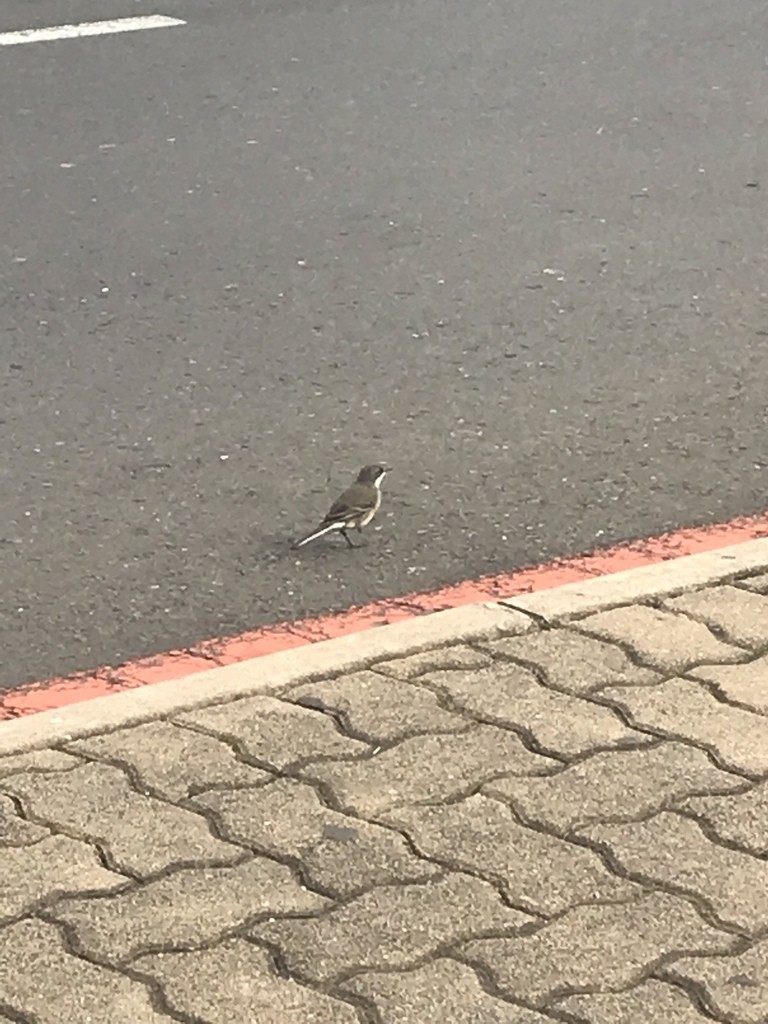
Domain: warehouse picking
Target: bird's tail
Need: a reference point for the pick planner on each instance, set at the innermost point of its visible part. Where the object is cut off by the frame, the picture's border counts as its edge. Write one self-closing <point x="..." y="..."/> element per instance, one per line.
<point x="321" y="530"/>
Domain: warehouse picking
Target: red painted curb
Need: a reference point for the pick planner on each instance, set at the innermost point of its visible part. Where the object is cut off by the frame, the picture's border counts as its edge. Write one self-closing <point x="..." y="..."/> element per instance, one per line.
<point x="57" y="692"/>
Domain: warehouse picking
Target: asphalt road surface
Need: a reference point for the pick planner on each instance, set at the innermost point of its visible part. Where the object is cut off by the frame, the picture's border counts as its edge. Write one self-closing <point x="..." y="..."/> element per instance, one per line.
<point x="516" y="249"/>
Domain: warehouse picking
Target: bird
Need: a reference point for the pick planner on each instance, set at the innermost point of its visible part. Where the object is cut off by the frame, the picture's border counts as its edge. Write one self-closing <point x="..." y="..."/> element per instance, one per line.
<point x="356" y="507"/>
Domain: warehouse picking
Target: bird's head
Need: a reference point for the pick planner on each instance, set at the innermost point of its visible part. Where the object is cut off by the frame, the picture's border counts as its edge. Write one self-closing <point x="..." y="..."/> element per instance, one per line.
<point x="372" y="475"/>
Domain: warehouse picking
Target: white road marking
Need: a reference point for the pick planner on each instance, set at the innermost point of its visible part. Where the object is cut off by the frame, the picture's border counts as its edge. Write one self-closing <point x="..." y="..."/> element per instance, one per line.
<point x="87" y="28"/>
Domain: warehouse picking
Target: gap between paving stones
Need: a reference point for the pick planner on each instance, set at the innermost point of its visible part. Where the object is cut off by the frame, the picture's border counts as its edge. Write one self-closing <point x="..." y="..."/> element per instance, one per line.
<point x="446" y="703"/>
<point x="718" y="694"/>
<point x="594" y="696"/>
<point x="525" y="735"/>
<point x="602" y="850"/>
<point x="700" y="904"/>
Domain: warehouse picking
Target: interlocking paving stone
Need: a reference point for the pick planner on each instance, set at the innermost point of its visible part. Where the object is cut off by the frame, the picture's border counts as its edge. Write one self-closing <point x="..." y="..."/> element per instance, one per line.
<point x="337" y="853"/>
<point x="39" y="978"/>
<point x="276" y="732"/>
<point x="652" y="1002"/>
<point x="442" y="990"/>
<point x="741" y="615"/>
<point x="511" y="695"/>
<point x="390" y="926"/>
<point x="171" y="760"/>
<point x="736" y="986"/>
<point x="380" y="708"/>
<point x="143" y="835"/>
<point x="686" y="709"/>
<point x="55" y="865"/>
<point x="236" y="982"/>
<point x="414" y="665"/>
<point x="425" y="768"/>
<point x="538" y="872"/>
<point x="630" y="783"/>
<point x="188" y="907"/>
<point x="674" y="851"/>
<point x="14" y="830"/>
<point x="596" y="947"/>
<point x="574" y="662"/>
<point x="757" y="583"/>
<point x="741" y="819"/>
<point x="661" y="639"/>
<point x="743" y="684"/>
<point x="38" y="761"/>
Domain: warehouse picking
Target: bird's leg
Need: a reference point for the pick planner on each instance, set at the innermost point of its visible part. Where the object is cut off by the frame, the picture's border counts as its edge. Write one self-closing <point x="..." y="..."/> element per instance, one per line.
<point x="345" y="535"/>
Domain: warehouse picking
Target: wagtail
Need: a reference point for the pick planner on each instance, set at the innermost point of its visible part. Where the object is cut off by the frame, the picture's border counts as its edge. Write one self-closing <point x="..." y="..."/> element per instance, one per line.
<point x="356" y="507"/>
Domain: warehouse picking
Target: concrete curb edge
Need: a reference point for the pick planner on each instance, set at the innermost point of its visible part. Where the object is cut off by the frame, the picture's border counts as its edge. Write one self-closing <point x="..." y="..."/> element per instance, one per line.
<point x="359" y="650"/>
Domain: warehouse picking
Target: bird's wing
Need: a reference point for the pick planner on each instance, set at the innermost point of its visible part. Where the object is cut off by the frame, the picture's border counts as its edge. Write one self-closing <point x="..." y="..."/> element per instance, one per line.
<point x="350" y="504"/>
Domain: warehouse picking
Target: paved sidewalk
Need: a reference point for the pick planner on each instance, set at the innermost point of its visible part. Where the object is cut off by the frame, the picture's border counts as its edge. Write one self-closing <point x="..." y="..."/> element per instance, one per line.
<point x="515" y="825"/>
